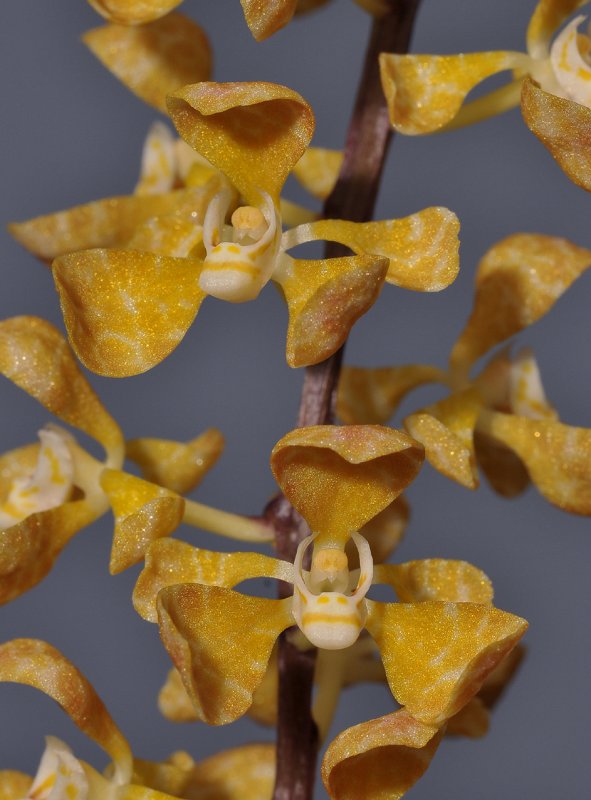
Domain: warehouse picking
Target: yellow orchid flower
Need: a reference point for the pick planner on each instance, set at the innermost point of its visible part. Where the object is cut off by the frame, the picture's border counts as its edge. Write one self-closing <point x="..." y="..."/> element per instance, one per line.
<point x="49" y="491"/>
<point x="501" y="418"/>
<point x="245" y="773"/>
<point x="426" y="93"/>
<point x="254" y="134"/>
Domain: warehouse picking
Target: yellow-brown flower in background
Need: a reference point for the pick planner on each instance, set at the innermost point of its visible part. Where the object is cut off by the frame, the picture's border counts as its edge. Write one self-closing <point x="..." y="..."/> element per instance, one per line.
<point x="501" y="418"/>
<point x="426" y="93"/>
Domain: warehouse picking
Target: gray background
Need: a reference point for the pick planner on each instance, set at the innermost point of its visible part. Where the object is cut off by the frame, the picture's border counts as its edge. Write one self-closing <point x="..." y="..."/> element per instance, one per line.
<point x="72" y="133"/>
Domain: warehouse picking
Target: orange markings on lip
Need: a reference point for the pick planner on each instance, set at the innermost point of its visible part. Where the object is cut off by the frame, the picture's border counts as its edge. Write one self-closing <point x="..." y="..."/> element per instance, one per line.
<point x="237" y="266"/>
<point x="311" y="617"/>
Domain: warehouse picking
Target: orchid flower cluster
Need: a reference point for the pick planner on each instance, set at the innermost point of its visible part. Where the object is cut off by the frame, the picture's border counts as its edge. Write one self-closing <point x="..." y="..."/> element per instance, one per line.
<point x="208" y="218"/>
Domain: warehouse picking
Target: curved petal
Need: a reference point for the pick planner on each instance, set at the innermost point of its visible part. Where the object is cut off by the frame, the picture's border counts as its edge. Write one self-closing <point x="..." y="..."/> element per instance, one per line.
<point x="14" y="785"/>
<point x="158" y="172"/>
<point x="38" y="664"/>
<point x="178" y="466"/>
<point x="143" y="513"/>
<point x="518" y="281"/>
<point x="437" y="655"/>
<point x="325" y="298"/>
<point x="383" y="532"/>
<point x="503" y="469"/>
<point x="169" y="561"/>
<point x="35" y="356"/>
<point x="155" y="59"/>
<point x="318" y="170"/>
<point x="371" y="396"/>
<point x="338" y="478"/>
<point x="173" y="701"/>
<point x="436" y="579"/>
<point x="252" y="132"/>
<point x="557" y="457"/>
<point x="563" y="127"/>
<point x="133" y="12"/>
<point x="265" y="19"/>
<point x="124" y="310"/>
<point x="545" y="21"/>
<point x="379" y="759"/>
<point x="173" y="235"/>
<point x="426" y="92"/>
<point x="105" y="223"/>
<point x="446" y="430"/>
<point x="243" y="773"/>
<point x="16" y="465"/>
<point x="526" y="393"/>
<point x="473" y="720"/>
<point x="202" y="627"/>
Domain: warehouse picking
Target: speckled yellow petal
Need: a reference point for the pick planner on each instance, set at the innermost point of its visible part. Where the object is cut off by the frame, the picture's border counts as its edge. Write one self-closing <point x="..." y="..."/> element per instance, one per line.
<point x="264" y="18"/>
<point x="501" y="676"/>
<point x="437" y="655"/>
<point x="16" y="464"/>
<point x="526" y="393"/>
<point x="104" y="223"/>
<point x="174" y="702"/>
<point x="155" y="59"/>
<point x="133" y="12"/>
<point x="169" y="561"/>
<point x="14" y="785"/>
<point x="202" y="627"/>
<point x="371" y="396"/>
<point x="557" y="457"/>
<point x="446" y="431"/>
<point x="38" y="664"/>
<point x="436" y="579"/>
<point x="178" y="466"/>
<point x="518" y="281"/>
<point x="253" y="132"/>
<point x="318" y="170"/>
<point x="243" y="773"/>
<point x="383" y="532"/>
<point x="545" y="21"/>
<point x="125" y="311"/>
<point x="35" y="356"/>
<point x="338" y="478"/>
<point x="380" y="759"/>
<point x="143" y="513"/>
<point x="173" y="235"/>
<point x="563" y="127"/>
<point x="426" y="92"/>
<point x="325" y="298"/>
<point x="503" y="469"/>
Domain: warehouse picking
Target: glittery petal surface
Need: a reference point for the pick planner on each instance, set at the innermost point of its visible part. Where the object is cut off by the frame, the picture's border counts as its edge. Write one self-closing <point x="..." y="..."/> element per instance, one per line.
<point x="436" y="579"/>
<point x="133" y="12"/>
<point x="503" y="469"/>
<point x="265" y="18"/>
<point x="173" y="235"/>
<point x="14" y="785"/>
<point x="318" y="170"/>
<point x="384" y="532"/>
<point x="243" y="773"/>
<point x="17" y="464"/>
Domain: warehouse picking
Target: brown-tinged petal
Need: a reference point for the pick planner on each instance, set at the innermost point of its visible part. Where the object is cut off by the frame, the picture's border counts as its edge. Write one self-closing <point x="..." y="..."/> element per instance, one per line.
<point x="178" y="466"/>
<point x="473" y="720"/>
<point x="173" y="235"/>
<point x="446" y="431"/>
<point x="38" y="664"/>
<point x="133" y="12"/>
<point x="265" y="19"/>
<point x="563" y="127"/>
<point x="243" y="773"/>
<point x="143" y="513"/>
<point x="383" y="532"/>
<point x="155" y="59"/>
<point x="35" y="356"/>
<point x="318" y="170"/>
<point x="518" y="281"/>
<point x="379" y="759"/>
<point x="425" y="92"/>
<point x="545" y="21"/>
<point x="503" y="469"/>
<point x="557" y="456"/>
<point x="371" y="396"/>
<point x="169" y="561"/>
<point x="125" y="311"/>
<point x="14" y="785"/>
<point x="105" y="223"/>
<point x="436" y="579"/>
<point x="202" y="628"/>
<point x="338" y="478"/>
<point x="253" y="132"/>
<point x="437" y="655"/>
<point x="325" y="298"/>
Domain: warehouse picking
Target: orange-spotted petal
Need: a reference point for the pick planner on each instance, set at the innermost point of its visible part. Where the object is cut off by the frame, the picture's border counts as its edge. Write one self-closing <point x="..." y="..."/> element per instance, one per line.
<point x="203" y="627"/>
<point x="265" y="19"/>
<point x="252" y="132"/>
<point x="133" y="12"/>
<point x="318" y="170"/>
<point x="545" y="21"/>
<point x="436" y="579"/>
<point x="155" y="59"/>
<point x="338" y="478"/>
<point x="125" y="311"/>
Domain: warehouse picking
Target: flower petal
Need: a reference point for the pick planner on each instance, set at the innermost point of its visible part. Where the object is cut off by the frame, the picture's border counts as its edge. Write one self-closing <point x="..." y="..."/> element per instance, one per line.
<point x="264" y="19"/>
<point x="155" y="59"/>
<point x="36" y="357"/>
<point x="379" y="759"/>
<point x="371" y="396"/>
<point x="384" y="532"/>
<point x="545" y="21"/>
<point x="473" y="720"/>
<point x="38" y="664"/>
<point x="426" y="92"/>
<point x="174" y="702"/>
<point x="437" y="655"/>
<point x="253" y="132"/>
<point x="325" y="298"/>
<point x="436" y="579"/>
<point x="338" y="478"/>
<point x="14" y="785"/>
<point x="176" y="465"/>
<point x="143" y="513"/>
<point x="169" y="561"/>
<point x="446" y="431"/>
<point x="503" y="469"/>
<point x="202" y="627"/>
<point x="133" y="12"/>
<point x="563" y="127"/>
<point x="243" y="773"/>
<point x="174" y="235"/>
<point x="125" y="311"/>
<point x="16" y="465"/>
<point x="105" y="223"/>
<point x="318" y="170"/>
<point x="518" y="281"/>
<point x="158" y="171"/>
